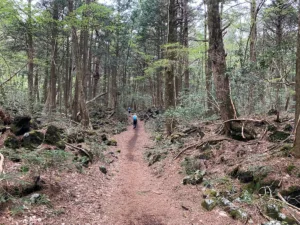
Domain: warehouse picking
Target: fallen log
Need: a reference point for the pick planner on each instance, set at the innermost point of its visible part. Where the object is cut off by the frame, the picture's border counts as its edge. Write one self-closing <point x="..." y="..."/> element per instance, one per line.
<point x="84" y="151"/>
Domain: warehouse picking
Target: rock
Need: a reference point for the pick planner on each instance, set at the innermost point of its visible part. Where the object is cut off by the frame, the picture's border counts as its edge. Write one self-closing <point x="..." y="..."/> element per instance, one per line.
<point x="209" y="204"/>
<point x="237" y="213"/>
<point x="272" y="222"/>
<point x="288" y="128"/>
<point x="243" y="175"/>
<point x="271" y="127"/>
<point x="112" y="142"/>
<point x="32" y="139"/>
<point x="53" y="137"/>
<point x="103" y="169"/>
<point x="277" y="136"/>
<point x="208" y="154"/>
<point x="75" y="138"/>
<point x="195" y="178"/>
<point x="104" y="137"/>
<point x="225" y="202"/>
<point x="242" y="133"/>
<point x="155" y="156"/>
<point x="3" y="129"/>
<point x="35" y="197"/>
<point x="272" y="211"/>
<point x="12" y="142"/>
<point x="21" y="125"/>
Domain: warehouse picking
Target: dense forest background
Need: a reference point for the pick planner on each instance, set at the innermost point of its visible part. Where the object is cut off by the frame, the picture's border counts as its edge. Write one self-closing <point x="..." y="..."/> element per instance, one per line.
<point x="192" y="58"/>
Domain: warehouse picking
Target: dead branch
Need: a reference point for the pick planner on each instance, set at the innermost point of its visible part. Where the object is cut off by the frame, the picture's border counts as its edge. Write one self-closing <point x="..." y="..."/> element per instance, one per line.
<point x="197" y="145"/>
<point x="93" y="99"/>
<point x="288" y="204"/>
<point x="1" y="163"/>
<point x="84" y="151"/>
<point x="261" y="213"/>
<point x="111" y="115"/>
<point x="12" y="76"/>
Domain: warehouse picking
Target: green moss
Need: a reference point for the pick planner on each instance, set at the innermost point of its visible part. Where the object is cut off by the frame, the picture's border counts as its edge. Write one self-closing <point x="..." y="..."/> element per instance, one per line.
<point x="290" y="168"/>
<point x="12" y="142"/>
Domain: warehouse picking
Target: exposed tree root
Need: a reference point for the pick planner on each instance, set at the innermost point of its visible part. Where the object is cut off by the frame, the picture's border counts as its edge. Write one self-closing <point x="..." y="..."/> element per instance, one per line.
<point x="197" y="145"/>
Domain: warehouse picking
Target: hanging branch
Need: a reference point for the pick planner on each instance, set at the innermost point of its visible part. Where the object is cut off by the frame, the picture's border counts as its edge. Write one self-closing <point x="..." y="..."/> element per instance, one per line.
<point x="12" y="76"/>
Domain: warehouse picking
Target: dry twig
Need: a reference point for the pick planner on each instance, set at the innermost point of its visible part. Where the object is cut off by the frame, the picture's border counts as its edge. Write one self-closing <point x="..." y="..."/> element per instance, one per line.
<point x="1" y="163"/>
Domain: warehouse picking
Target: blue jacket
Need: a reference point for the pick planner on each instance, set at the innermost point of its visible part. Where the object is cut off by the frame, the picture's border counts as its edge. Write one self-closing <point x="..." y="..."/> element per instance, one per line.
<point x="134" y="117"/>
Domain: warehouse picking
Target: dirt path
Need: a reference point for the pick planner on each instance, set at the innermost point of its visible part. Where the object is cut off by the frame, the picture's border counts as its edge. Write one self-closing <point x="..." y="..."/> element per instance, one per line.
<point x="136" y="197"/>
<point x="130" y="194"/>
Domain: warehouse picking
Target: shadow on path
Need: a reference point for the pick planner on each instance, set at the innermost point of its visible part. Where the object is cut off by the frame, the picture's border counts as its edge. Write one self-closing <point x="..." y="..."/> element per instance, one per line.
<point x="131" y="145"/>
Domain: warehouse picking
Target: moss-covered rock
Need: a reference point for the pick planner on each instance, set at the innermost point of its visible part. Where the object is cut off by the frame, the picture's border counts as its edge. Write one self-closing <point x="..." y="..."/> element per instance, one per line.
<point x="12" y="142"/>
<point x="20" y="125"/>
<point x="245" y="176"/>
<point x="112" y="142"/>
<point x="195" y="178"/>
<point x="53" y="137"/>
<point x="288" y="128"/>
<point x="209" y="204"/>
<point x="32" y="139"/>
<point x="277" y="136"/>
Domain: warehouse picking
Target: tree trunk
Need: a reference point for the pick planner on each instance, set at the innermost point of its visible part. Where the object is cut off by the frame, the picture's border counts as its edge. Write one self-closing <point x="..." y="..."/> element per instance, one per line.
<point x="297" y="90"/>
<point x="30" y="52"/>
<point x="186" y="45"/>
<point x="36" y="86"/>
<point x="218" y="58"/>
<point x="208" y="71"/>
<point x="171" y="56"/>
<point x="54" y="44"/>
<point x="79" y="100"/>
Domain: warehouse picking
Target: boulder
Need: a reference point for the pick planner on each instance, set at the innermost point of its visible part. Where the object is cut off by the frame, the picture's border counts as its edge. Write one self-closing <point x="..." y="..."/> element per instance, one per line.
<point x="112" y="142"/>
<point x="209" y="204"/>
<point x="53" y="137"/>
<point x="278" y="136"/>
<point x="288" y="128"/>
<point x="194" y="178"/>
<point x="12" y="142"/>
<point x="21" y="125"/>
<point x="32" y="139"/>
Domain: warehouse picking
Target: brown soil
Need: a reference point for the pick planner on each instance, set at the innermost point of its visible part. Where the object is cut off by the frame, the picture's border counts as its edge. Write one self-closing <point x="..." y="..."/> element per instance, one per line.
<point x="130" y="194"/>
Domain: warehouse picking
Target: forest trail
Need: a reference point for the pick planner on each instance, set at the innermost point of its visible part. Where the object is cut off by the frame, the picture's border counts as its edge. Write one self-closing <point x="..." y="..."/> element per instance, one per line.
<point x="131" y="193"/>
<point x="136" y="196"/>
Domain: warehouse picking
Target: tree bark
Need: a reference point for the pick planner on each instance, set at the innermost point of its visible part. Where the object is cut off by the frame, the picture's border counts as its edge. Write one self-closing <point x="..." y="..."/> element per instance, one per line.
<point x="79" y="100"/>
<point x="30" y="55"/>
<point x="218" y="58"/>
<point x="171" y="56"/>
<point x="208" y="70"/>
<point x="186" y="46"/>
<point x="297" y="90"/>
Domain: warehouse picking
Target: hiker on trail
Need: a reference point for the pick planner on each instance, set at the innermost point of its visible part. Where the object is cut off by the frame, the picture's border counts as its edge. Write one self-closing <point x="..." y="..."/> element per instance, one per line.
<point x="129" y="110"/>
<point x="134" y="118"/>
